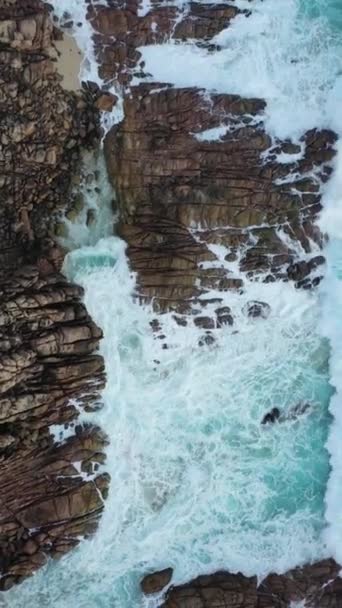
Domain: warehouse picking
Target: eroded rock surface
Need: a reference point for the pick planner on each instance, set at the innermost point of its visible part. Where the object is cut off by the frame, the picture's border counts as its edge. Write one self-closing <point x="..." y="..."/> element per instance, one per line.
<point x="180" y="196"/>
<point x="200" y="214"/>
<point x="317" y="586"/>
<point x="52" y="490"/>
<point x="183" y="196"/>
<point x="155" y="582"/>
<point x="43" y="128"/>
<point x="123" y="25"/>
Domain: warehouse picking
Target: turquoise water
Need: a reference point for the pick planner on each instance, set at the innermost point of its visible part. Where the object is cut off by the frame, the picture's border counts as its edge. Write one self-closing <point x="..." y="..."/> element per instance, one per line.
<point x="198" y="483"/>
<point x="329" y="10"/>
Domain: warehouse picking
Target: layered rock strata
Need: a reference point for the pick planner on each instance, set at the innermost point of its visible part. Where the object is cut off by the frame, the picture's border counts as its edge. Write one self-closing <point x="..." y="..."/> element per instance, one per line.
<point x="51" y="488"/>
<point x="181" y="196"/>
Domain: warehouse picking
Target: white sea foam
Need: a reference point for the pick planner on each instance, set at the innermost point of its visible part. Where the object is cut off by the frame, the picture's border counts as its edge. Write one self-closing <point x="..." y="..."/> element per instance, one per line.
<point x="272" y="55"/>
<point x="197" y="482"/>
<point x="331" y="221"/>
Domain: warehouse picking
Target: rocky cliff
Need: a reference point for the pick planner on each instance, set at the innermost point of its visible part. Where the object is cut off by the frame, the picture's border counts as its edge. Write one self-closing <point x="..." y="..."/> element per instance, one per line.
<point x="51" y="490"/>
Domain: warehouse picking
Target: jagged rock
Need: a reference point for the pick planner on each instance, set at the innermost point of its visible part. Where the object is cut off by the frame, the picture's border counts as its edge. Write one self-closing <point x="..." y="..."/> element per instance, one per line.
<point x="43" y="129"/>
<point x="178" y="194"/>
<point x="317" y="586"/>
<point x="120" y="30"/>
<point x="41" y="374"/>
<point x="48" y="343"/>
<point x="155" y="582"/>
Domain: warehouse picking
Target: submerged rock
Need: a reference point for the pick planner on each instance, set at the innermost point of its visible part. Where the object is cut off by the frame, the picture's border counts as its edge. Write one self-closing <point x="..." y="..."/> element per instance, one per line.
<point x="275" y="415"/>
<point x="224" y="316"/>
<point x="271" y="416"/>
<point x="257" y="309"/>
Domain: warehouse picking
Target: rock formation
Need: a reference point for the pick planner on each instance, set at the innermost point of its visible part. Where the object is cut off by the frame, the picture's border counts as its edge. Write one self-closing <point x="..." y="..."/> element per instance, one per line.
<point x="51" y="490"/>
<point x="155" y="582"/>
<point x="318" y="586"/>
<point x="121" y="27"/>
<point x="180" y="194"/>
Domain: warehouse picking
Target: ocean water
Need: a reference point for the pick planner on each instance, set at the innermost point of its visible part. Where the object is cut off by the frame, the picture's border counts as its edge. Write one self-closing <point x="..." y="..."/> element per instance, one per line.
<point x="197" y="482"/>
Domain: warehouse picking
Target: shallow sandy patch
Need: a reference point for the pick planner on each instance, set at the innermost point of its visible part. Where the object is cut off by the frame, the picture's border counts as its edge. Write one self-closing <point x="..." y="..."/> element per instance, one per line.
<point x="69" y="60"/>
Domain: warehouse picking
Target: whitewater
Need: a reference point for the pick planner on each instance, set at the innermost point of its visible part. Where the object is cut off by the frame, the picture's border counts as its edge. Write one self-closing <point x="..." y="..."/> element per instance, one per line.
<point x="197" y="483"/>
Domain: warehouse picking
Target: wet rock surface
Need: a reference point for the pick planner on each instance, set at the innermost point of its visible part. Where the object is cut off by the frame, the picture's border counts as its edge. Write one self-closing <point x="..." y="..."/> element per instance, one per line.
<point x="180" y="198"/>
<point x="123" y="26"/>
<point x="183" y="196"/>
<point x="314" y="586"/>
<point x="52" y="489"/>
<point x="155" y="582"/>
<point x="179" y="194"/>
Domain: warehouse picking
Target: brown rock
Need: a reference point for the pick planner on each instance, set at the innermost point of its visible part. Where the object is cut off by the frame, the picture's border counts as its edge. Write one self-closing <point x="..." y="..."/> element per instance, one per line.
<point x="47" y="339"/>
<point x="30" y="547"/>
<point x="168" y="181"/>
<point x="174" y="187"/>
<point x="106" y="102"/>
<point x="316" y="585"/>
<point x="154" y="583"/>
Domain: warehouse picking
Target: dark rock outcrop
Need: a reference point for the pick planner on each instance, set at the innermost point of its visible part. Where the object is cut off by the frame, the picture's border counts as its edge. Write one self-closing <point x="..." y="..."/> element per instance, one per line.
<point x="52" y="490"/>
<point x="121" y="29"/>
<point x="294" y="412"/>
<point x="317" y="585"/>
<point x="155" y="582"/>
<point x="181" y="195"/>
